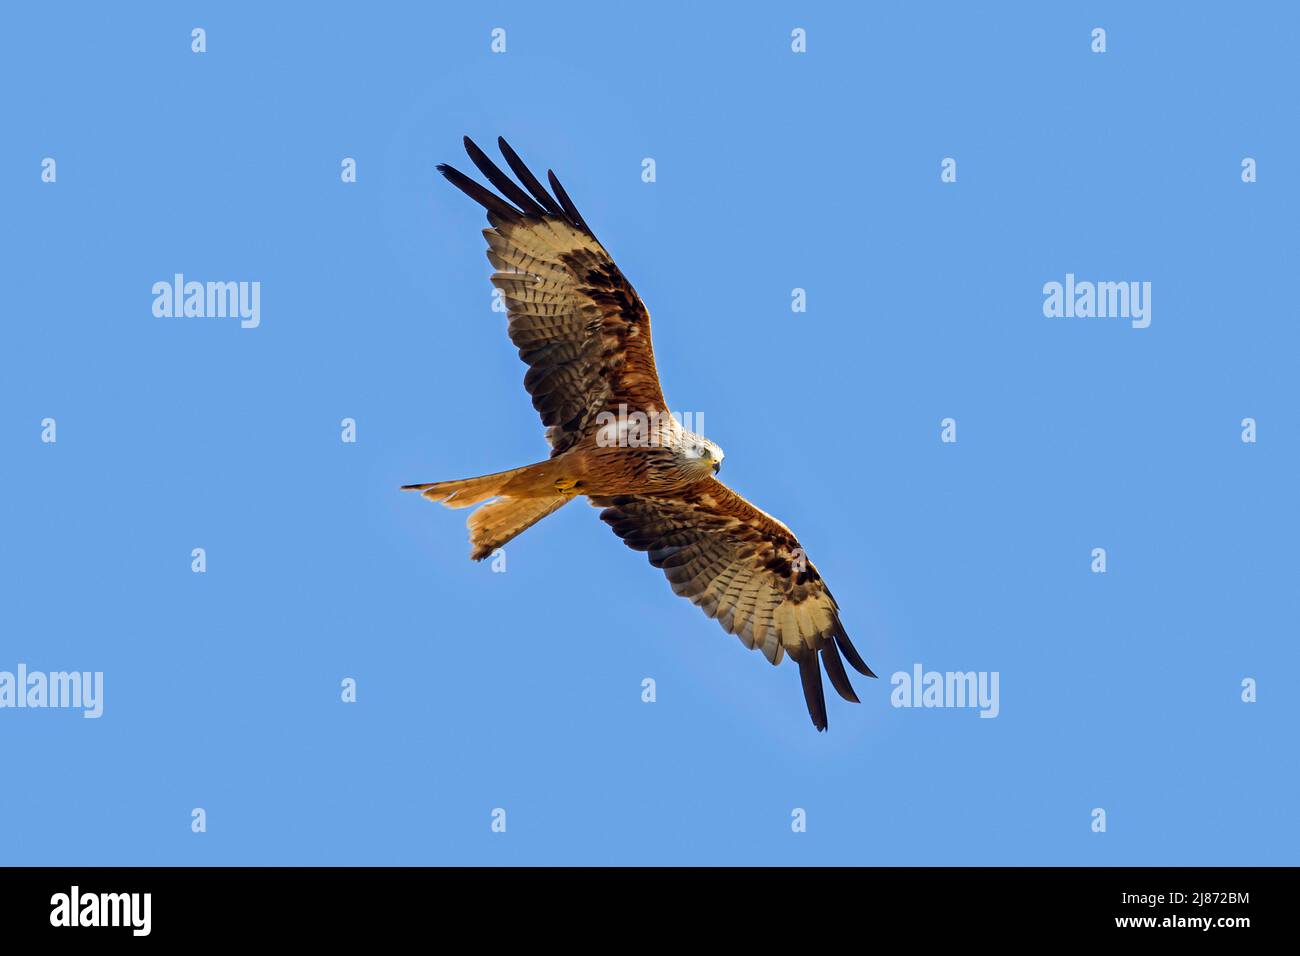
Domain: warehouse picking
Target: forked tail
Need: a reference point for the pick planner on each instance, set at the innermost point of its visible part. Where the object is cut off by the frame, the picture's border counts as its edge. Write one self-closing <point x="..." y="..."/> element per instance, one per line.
<point x="524" y="497"/>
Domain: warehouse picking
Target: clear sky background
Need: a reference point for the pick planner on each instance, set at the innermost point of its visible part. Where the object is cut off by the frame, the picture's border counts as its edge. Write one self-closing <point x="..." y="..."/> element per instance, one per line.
<point x="522" y="690"/>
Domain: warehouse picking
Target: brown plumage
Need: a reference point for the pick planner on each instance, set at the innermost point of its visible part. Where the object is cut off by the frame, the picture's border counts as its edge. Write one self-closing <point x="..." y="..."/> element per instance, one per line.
<point x="585" y="336"/>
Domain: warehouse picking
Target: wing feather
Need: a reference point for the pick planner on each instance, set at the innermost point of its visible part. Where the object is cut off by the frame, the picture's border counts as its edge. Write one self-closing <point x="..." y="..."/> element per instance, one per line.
<point x="747" y="570"/>
<point x="501" y="181"/>
<point x="527" y="178"/>
<point x="577" y="322"/>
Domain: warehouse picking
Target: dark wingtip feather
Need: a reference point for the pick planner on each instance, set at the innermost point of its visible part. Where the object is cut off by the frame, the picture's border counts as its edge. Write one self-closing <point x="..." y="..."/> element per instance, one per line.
<point x="835" y="671"/>
<point x="481" y="195"/>
<point x="528" y="179"/>
<point x="569" y="208"/>
<point x="810" y="674"/>
<point x="500" y="180"/>
<point x="850" y="652"/>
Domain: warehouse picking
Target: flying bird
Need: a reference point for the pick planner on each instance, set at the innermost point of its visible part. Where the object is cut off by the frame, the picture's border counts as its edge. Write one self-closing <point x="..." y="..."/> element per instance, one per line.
<point x="584" y="334"/>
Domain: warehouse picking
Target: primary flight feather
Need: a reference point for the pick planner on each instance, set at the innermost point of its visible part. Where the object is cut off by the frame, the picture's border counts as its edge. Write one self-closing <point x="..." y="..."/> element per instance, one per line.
<point x="584" y="334"/>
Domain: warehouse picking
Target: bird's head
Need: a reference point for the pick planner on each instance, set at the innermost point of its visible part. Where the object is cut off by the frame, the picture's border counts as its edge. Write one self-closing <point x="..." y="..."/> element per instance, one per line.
<point x="701" y="456"/>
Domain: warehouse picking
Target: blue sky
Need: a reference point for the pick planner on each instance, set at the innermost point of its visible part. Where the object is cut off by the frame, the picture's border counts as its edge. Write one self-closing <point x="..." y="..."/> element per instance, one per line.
<point x="522" y="690"/>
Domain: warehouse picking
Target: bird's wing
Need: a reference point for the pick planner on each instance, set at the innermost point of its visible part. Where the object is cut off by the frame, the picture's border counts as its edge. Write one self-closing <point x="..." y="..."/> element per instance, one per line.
<point x="747" y="570"/>
<point x="576" y="320"/>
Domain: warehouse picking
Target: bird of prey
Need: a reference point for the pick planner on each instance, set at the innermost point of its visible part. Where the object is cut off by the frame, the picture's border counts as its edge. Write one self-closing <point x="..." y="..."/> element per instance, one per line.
<point x="584" y="334"/>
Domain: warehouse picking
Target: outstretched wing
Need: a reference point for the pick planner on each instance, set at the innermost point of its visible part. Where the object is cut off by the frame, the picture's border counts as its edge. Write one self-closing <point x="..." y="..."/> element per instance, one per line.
<point x="747" y="570"/>
<point x="577" y="322"/>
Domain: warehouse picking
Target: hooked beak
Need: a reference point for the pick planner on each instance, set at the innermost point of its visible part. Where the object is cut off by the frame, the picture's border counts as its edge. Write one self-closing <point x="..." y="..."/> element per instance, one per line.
<point x="717" y="467"/>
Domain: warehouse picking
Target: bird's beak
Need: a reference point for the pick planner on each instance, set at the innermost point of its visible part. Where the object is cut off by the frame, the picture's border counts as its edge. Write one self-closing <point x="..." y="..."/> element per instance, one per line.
<point x="717" y="467"/>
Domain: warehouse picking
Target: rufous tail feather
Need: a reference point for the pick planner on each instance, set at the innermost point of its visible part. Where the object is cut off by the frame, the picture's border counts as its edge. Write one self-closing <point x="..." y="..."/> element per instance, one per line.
<point x="498" y="521"/>
<point x="465" y="492"/>
<point x="524" y="497"/>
